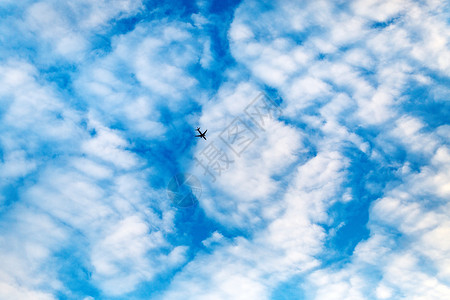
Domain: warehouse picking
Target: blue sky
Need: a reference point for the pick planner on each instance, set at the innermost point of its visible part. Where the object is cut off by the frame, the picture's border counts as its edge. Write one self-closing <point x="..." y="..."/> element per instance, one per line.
<point x="340" y="190"/>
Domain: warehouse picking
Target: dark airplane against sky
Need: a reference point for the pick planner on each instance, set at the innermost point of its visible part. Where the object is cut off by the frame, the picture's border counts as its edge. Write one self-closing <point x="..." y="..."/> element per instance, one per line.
<point x="201" y="135"/>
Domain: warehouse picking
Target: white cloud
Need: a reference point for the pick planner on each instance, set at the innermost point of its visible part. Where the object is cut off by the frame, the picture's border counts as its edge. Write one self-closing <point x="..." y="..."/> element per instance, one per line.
<point x="119" y="259"/>
<point x="216" y="237"/>
<point x="380" y="11"/>
<point x="91" y="168"/>
<point x="344" y="84"/>
<point x="16" y="165"/>
<point x="289" y="240"/>
<point x="241" y="32"/>
<point x="66" y="27"/>
<point x="109" y="146"/>
<point x="248" y="183"/>
<point x="92" y="191"/>
<point x="17" y="292"/>
<point x="414" y="265"/>
<point x="25" y="251"/>
<point x="372" y="101"/>
<point x="32" y="106"/>
<point x="53" y="26"/>
<point x="146" y="69"/>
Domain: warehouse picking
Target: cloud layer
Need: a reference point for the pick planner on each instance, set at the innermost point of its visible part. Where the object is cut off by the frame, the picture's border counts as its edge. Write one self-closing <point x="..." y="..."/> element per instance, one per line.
<point x="342" y="193"/>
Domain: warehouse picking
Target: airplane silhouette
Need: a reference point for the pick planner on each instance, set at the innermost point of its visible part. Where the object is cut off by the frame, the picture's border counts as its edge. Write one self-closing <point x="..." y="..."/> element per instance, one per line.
<point x="201" y="135"/>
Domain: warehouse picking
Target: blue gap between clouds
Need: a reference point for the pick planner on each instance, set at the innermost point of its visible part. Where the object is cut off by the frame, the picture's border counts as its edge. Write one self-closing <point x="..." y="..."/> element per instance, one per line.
<point x="289" y="289"/>
<point x="72" y="272"/>
<point x="362" y="174"/>
<point x="426" y="103"/>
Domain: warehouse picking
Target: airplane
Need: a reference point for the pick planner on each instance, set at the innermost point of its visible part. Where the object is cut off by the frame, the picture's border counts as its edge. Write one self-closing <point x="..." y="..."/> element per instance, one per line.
<point x="201" y="135"/>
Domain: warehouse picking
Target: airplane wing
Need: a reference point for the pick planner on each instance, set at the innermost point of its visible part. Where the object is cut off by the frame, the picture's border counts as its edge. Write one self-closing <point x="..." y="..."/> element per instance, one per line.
<point x="205" y="131"/>
<point x="204" y="138"/>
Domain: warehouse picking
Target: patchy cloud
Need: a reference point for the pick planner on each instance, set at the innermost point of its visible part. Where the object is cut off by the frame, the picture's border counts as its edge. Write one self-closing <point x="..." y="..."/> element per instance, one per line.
<point x="341" y="193"/>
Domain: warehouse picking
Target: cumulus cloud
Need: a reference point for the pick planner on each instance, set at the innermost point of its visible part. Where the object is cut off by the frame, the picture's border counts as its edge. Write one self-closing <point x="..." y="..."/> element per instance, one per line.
<point x="67" y="27"/>
<point x="340" y="72"/>
<point x="418" y="212"/>
<point x="89" y="193"/>
<point x="341" y="193"/>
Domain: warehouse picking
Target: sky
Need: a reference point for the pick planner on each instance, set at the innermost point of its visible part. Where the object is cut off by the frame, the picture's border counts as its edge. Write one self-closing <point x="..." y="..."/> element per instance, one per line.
<point x="325" y="173"/>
